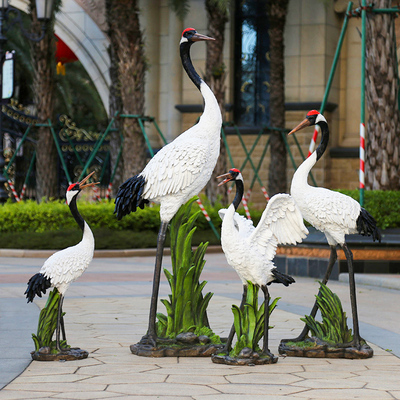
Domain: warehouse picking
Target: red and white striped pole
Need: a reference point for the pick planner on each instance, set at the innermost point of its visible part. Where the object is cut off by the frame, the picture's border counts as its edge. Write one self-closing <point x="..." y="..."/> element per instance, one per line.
<point x="203" y="210"/>
<point x="108" y="193"/>
<point x="23" y="191"/>
<point x="313" y="141"/>
<point x="246" y="208"/>
<point x="14" y="192"/>
<point x="362" y="156"/>
<point x="265" y="193"/>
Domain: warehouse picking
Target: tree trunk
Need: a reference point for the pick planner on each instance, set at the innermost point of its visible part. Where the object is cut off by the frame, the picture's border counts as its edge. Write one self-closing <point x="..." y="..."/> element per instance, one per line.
<point x="127" y="45"/>
<point x="381" y="84"/>
<point x="115" y="106"/>
<point x="277" y="11"/>
<point x="215" y="78"/>
<point x="43" y="62"/>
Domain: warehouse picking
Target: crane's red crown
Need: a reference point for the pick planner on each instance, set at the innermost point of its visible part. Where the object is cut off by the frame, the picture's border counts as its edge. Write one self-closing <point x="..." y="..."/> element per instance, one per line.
<point x="72" y="185"/>
<point x="188" y="30"/>
<point x="234" y="170"/>
<point x="312" y="112"/>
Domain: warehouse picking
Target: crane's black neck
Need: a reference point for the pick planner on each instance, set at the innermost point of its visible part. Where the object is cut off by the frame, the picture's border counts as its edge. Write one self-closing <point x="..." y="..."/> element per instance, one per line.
<point x="187" y="63"/>
<point x="239" y="193"/>
<point x="324" y="139"/>
<point x="75" y="213"/>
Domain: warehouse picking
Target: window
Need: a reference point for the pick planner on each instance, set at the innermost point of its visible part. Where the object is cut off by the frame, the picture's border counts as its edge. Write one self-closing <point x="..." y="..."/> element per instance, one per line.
<point x="252" y="72"/>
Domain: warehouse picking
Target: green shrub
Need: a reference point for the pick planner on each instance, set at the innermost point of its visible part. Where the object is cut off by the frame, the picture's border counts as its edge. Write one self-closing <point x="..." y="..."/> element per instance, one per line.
<point x="383" y="205"/>
<point x="29" y="224"/>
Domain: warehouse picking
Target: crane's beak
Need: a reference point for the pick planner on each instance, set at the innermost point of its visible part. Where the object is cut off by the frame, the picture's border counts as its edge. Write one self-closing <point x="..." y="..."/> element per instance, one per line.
<point x="300" y="126"/>
<point x="197" y="37"/>
<point x="228" y="177"/>
<point x="84" y="180"/>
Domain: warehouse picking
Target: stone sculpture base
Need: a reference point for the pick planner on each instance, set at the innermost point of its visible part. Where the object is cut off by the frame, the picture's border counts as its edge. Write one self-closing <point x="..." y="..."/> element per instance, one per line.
<point x="68" y="355"/>
<point x="184" y="345"/>
<point x="145" y="350"/>
<point x="253" y="358"/>
<point x="317" y="348"/>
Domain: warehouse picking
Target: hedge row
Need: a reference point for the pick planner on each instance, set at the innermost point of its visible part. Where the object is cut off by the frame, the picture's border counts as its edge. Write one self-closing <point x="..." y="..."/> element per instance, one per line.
<point x="29" y="216"/>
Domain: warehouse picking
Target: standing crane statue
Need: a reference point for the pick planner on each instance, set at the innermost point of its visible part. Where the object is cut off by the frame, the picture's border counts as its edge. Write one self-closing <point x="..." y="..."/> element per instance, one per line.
<point x="332" y="213"/>
<point x="250" y="250"/>
<point x="177" y="172"/>
<point x="67" y="265"/>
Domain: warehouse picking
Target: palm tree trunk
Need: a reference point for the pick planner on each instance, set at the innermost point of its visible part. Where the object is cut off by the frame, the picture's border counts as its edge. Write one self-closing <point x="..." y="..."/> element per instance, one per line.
<point x="127" y="45"/>
<point x="115" y="106"/>
<point x="382" y="89"/>
<point x="277" y="11"/>
<point x="215" y="77"/>
<point x="43" y="62"/>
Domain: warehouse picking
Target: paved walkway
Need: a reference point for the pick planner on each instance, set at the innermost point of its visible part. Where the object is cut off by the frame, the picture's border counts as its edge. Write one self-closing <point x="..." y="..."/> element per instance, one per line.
<point x="107" y="310"/>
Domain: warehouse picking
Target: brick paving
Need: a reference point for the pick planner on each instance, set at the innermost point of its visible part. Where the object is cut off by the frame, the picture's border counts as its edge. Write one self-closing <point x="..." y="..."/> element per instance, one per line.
<point x="107" y="311"/>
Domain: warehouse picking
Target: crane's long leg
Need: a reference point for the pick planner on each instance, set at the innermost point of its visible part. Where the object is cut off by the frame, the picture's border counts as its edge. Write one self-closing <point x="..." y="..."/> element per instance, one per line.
<point x="151" y="336"/>
<point x="59" y="318"/>
<point x="313" y="313"/>
<point x="353" y="300"/>
<point x="63" y="328"/>
<point x="228" y="344"/>
<point x="265" y="349"/>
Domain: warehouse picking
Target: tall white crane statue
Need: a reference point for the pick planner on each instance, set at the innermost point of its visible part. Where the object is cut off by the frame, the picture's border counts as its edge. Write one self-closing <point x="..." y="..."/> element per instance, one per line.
<point x="250" y="250"/>
<point x="177" y="172"/>
<point x="67" y="265"/>
<point x="332" y="213"/>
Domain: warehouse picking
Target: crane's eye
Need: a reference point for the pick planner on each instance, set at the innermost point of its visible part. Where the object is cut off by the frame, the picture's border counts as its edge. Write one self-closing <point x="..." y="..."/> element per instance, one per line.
<point x="188" y="33"/>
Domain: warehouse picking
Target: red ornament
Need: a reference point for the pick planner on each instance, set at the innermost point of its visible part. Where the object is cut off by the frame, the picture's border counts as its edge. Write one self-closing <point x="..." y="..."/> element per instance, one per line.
<point x="64" y="55"/>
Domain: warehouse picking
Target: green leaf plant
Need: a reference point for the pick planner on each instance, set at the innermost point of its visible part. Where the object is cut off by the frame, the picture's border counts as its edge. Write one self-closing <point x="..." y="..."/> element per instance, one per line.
<point x="47" y="324"/>
<point x="249" y="322"/>
<point x="333" y="328"/>
<point x="186" y="307"/>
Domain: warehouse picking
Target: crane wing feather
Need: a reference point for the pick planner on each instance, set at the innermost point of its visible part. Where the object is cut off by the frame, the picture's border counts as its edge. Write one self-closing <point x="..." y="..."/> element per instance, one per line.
<point x="282" y="219"/>
<point x="175" y="167"/>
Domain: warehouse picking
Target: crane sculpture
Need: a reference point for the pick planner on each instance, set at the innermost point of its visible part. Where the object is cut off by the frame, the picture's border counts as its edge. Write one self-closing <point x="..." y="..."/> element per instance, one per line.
<point x="250" y="250"/>
<point x="177" y="172"/>
<point x="332" y="213"/>
<point x="67" y="265"/>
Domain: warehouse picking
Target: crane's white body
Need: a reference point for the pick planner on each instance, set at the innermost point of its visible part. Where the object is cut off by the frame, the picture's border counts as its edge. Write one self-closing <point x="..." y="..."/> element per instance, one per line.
<point x="67" y="265"/>
<point x="250" y="250"/>
<point x="183" y="167"/>
<point x="332" y="213"/>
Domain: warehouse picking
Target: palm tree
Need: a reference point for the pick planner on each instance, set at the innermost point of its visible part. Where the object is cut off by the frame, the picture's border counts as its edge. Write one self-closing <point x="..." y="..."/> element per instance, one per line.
<point x="128" y="59"/>
<point x="277" y="11"/>
<point x="217" y="15"/>
<point x="382" y="164"/>
<point x="43" y="62"/>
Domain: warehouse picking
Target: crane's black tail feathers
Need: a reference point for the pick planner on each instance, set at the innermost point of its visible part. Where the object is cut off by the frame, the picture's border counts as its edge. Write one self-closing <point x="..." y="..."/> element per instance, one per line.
<point x="37" y="285"/>
<point x="366" y="225"/>
<point x="280" y="277"/>
<point x="129" y="196"/>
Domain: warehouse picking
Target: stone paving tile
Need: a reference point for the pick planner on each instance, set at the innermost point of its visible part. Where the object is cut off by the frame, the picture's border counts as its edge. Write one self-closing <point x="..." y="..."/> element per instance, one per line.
<point x="343" y="394"/>
<point x="162" y="389"/>
<point x="196" y="379"/>
<point x="242" y="396"/>
<point x="330" y="383"/>
<point x="135" y="378"/>
<point x="88" y="395"/>
<point x="106" y="326"/>
<point x="261" y="376"/>
<point x="22" y="395"/>
<point x="39" y="386"/>
<point x="105" y="369"/>
<point x="246" y="389"/>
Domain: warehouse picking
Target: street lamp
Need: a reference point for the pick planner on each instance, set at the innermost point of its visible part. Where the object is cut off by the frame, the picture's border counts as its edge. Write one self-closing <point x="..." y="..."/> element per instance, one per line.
<point x="44" y="10"/>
